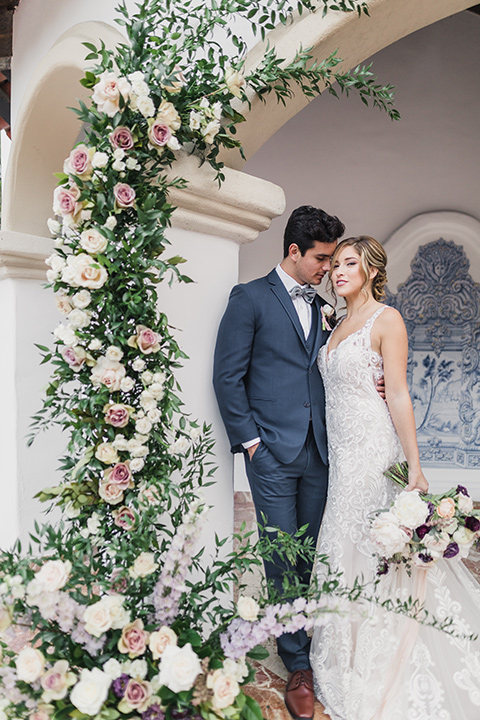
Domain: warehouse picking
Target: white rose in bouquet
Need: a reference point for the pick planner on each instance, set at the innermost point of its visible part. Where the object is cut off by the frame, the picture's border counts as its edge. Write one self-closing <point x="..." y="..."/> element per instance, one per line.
<point x="248" y="608"/>
<point x="30" y="664"/>
<point x="91" y="691"/>
<point x="224" y="687"/>
<point x="387" y="535"/>
<point x="53" y="575"/>
<point x="410" y="510"/>
<point x="160" y="640"/>
<point x="179" y="668"/>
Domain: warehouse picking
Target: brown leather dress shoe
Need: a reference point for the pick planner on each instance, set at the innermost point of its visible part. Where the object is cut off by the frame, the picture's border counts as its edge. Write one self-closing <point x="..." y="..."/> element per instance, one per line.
<point x="299" y="697"/>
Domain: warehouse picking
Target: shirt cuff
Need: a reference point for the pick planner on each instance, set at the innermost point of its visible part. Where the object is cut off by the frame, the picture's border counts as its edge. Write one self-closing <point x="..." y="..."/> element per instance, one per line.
<point x="250" y="443"/>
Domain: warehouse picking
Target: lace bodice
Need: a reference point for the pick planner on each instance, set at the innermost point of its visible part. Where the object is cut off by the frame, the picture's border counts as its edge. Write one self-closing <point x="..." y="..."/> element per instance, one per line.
<point x="370" y="664"/>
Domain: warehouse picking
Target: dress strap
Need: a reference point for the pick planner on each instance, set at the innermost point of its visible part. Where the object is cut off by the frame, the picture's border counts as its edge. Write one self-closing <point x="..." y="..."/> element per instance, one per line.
<point x="372" y="319"/>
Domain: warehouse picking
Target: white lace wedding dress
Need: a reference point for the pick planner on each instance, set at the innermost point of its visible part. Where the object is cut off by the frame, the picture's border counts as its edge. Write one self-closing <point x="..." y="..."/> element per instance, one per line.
<point x="370" y="664"/>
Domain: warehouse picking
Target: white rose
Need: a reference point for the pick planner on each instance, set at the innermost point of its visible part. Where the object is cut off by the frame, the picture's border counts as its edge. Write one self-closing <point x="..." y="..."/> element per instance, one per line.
<point x="210" y="131"/>
<point x="136" y="448"/>
<point x="138" y="669"/>
<point x="82" y="299"/>
<point x="436" y="542"/>
<point x="159" y="377"/>
<point x="114" y="353"/>
<point x="107" y="372"/>
<point x="107" y="92"/>
<point x="111" y="222"/>
<point x="127" y="384"/>
<point x="94" y="523"/>
<point x="54" y="226"/>
<point x="66" y="335"/>
<point x="463" y="536"/>
<point x="179" y="668"/>
<point x="63" y="304"/>
<point x="120" y="442"/>
<point x="53" y="575"/>
<point x="248" y="608"/>
<point x="195" y="120"/>
<point x="195" y="434"/>
<point x="119" y="153"/>
<point x="79" y="319"/>
<point x="145" y="106"/>
<point x="93" y="241"/>
<point x="100" y="160"/>
<point x="97" y="618"/>
<point x="91" y="691"/>
<point x="106" y="453"/>
<point x="238" y="669"/>
<point x="112" y="668"/>
<point x="154" y="415"/>
<point x="148" y="494"/>
<point x="156" y="390"/>
<point x="410" y="509"/>
<point x="131" y="163"/>
<point x="143" y="566"/>
<point x="386" y="534"/>
<point x="147" y="377"/>
<point x="234" y="81"/>
<point x="168" y="115"/>
<point x="56" y="262"/>
<point x="94" y="344"/>
<point x="118" y="166"/>
<point x="138" y="364"/>
<point x="137" y="464"/>
<point x="180" y="446"/>
<point x="140" y="87"/>
<point x="118" y="614"/>
<point x="465" y="503"/>
<point x="147" y="401"/>
<point x="161" y="639"/>
<point x="30" y="664"/>
<point x="143" y="426"/>
<point x="225" y="688"/>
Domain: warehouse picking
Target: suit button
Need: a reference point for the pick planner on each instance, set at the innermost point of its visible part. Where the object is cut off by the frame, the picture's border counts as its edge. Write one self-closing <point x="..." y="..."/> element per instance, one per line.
<point x="306" y="404"/>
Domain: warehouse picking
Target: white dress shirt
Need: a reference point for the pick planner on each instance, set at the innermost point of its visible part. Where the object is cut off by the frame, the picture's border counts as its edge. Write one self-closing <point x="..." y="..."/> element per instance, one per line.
<point x="304" y="312"/>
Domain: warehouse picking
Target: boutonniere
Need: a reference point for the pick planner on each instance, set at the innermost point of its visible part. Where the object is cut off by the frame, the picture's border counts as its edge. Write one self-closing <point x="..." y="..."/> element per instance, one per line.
<point x="328" y="317"/>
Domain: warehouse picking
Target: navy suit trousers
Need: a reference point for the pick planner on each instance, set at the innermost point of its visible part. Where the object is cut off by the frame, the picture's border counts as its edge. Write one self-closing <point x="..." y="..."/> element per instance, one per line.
<point x="290" y="496"/>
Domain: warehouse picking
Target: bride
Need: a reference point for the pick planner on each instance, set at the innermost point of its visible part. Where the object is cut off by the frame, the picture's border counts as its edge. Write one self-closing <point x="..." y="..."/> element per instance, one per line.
<point x="372" y="664"/>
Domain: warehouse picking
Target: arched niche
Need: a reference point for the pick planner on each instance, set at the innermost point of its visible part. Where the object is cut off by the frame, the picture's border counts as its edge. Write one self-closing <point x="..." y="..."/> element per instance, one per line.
<point x="46" y="129"/>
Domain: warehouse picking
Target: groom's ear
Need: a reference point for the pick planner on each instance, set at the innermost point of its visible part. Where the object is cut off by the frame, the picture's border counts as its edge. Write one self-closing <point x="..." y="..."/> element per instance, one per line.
<point x="294" y="252"/>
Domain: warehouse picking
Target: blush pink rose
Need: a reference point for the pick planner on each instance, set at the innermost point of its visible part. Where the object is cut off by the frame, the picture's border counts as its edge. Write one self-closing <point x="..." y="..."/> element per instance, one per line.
<point x="79" y="162"/>
<point x="65" y="201"/>
<point x="122" y="138"/>
<point x="134" y="639"/>
<point x="159" y="134"/>
<point x="137" y="694"/>
<point x="124" y="518"/>
<point x="124" y="195"/>
<point x="74" y="356"/>
<point x="146" y="340"/>
<point x="446" y="509"/>
<point x="120" y="475"/>
<point x="117" y="415"/>
<point x="108" y="91"/>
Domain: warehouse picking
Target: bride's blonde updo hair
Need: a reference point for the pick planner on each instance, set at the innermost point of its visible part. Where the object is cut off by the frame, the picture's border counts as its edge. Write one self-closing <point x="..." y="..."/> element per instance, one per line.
<point x="372" y="255"/>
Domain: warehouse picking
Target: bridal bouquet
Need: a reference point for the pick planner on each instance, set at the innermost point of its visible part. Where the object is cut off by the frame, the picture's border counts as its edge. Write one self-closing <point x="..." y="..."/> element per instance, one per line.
<point x="420" y="528"/>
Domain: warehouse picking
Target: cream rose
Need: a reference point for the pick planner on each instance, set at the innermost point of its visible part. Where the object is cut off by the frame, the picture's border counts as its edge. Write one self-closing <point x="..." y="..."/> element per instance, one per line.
<point x="114" y="353"/>
<point x="133" y="640"/>
<point x="234" y="81"/>
<point x="82" y="271"/>
<point x="91" y="691"/>
<point x="465" y="503"/>
<point x="387" y="535"/>
<point x="97" y="618"/>
<point x="56" y="681"/>
<point x="53" y="575"/>
<point x="168" y="115"/>
<point x="30" y="664"/>
<point x="161" y="639"/>
<point x="79" y="319"/>
<point x="225" y="688"/>
<point x="179" y="668"/>
<point x="109" y="373"/>
<point x="143" y="566"/>
<point x="108" y="91"/>
<point x="118" y="614"/>
<point x="93" y="242"/>
<point x="106" y="453"/>
<point x="111" y="493"/>
<point x="248" y="608"/>
<point x="82" y="299"/>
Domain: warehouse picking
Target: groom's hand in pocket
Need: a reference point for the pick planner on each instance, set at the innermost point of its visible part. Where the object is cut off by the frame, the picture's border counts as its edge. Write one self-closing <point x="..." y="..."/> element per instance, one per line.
<point x="251" y="450"/>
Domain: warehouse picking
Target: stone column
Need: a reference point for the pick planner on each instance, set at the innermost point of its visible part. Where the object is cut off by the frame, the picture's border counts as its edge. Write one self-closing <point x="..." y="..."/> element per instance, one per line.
<point x="209" y="226"/>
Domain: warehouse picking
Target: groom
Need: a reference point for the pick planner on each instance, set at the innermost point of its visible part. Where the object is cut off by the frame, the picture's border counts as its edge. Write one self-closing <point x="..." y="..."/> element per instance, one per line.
<point x="271" y="398"/>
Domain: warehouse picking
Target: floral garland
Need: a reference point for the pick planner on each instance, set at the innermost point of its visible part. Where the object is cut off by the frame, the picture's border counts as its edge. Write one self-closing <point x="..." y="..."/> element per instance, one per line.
<point x="116" y="624"/>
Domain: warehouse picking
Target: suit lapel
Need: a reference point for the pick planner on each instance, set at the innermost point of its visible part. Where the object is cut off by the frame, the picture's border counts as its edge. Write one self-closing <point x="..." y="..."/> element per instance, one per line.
<point x="321" y="335"/>
<point x="279" y="289"/>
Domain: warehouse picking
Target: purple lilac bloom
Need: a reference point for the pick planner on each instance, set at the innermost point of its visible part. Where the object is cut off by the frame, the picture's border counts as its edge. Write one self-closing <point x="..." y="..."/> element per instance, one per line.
<point x="155" y="712"/>
<point x="463" y="490"/>
<point x="422" y="530"/>
<point x="451" y="550"/>
<point x="119" y="685"/>
<point x="472" y="523"/>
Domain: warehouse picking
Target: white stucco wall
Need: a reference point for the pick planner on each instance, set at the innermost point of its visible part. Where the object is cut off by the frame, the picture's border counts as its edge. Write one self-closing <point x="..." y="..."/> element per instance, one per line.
<point x="375" y="174"/>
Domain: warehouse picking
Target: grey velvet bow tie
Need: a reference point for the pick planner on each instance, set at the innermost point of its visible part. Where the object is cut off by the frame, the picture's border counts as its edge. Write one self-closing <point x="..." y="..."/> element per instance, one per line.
<point x="307" y="293"/>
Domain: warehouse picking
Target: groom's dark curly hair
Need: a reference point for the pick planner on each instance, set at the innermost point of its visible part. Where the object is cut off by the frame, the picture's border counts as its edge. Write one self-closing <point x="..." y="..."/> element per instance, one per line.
<point x="307" y="225"/>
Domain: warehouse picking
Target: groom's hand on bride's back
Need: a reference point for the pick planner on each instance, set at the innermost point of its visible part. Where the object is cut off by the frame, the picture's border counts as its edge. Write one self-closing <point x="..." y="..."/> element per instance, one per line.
<point x="380" y="387"/>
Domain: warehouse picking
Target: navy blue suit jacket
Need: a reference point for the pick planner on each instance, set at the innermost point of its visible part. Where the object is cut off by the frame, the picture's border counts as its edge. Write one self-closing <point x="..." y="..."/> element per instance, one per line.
<point x="265" y="377"/>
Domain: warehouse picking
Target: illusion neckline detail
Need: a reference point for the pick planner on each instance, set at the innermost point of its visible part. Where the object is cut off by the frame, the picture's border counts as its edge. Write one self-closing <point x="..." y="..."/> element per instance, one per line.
<point x="370" y="320"/>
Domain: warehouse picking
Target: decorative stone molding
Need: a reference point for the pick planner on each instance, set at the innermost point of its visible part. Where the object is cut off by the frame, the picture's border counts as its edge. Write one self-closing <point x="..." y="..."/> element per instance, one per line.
<point x="23" y="256"/>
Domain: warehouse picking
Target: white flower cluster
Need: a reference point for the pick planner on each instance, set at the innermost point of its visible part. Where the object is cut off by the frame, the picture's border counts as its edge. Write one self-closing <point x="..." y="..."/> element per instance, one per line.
<point x="206" y="119"/>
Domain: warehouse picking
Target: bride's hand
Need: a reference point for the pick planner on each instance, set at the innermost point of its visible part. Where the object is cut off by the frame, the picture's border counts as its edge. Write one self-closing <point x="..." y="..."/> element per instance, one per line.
<point x="417" y="481"/>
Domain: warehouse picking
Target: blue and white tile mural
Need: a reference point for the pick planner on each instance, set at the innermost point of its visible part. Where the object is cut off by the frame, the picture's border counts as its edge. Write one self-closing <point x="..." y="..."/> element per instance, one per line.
<point x="440" y="304"/>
